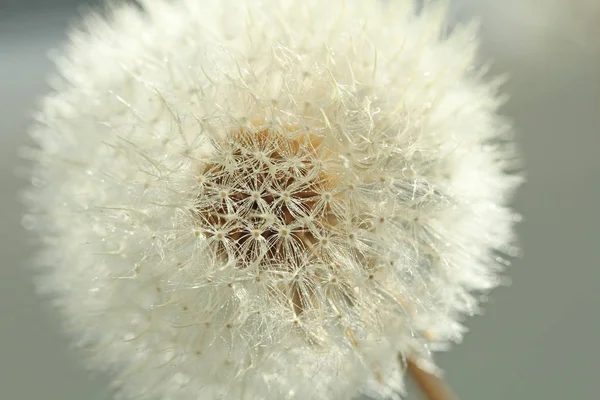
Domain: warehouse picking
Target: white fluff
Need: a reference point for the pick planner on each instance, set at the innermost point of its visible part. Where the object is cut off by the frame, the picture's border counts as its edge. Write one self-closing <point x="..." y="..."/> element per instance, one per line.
<point x="269" y="199"/>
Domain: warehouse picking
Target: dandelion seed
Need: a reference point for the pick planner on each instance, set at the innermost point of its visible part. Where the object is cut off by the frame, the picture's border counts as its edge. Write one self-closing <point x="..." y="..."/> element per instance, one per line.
<point x="310" y="194"/>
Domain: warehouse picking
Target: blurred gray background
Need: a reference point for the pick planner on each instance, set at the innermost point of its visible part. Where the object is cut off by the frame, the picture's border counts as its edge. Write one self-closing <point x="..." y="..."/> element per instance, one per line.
<point x="539" y="338"/>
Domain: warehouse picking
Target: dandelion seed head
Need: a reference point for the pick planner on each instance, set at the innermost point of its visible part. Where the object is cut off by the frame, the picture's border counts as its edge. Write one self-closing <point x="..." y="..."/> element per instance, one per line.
<point x="266" y="200"/>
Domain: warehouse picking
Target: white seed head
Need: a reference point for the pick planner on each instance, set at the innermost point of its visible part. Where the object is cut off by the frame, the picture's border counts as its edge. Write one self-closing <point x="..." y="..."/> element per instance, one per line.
<point x="269" y="199"/>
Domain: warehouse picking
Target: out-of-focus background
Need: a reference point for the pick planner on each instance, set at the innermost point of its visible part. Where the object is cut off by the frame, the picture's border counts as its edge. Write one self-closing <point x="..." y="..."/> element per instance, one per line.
<point x="539" y="338"/>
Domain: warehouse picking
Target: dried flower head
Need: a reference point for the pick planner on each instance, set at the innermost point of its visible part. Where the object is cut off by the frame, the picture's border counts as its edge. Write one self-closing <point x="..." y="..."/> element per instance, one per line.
<point x="269" y="200"/>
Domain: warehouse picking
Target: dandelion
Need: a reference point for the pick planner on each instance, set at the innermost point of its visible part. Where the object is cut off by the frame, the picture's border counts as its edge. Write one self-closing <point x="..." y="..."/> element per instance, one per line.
<point x="269" y="199"/>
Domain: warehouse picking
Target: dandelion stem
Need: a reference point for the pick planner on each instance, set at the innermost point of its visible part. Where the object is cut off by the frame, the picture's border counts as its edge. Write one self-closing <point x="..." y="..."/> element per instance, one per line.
<point x="431" y="386"/>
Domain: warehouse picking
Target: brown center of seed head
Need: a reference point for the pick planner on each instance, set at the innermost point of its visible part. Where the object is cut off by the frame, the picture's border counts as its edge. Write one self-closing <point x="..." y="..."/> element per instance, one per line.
<point x="266" y="200"/>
